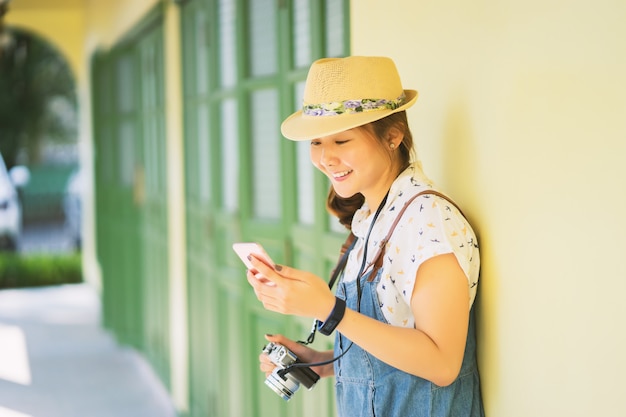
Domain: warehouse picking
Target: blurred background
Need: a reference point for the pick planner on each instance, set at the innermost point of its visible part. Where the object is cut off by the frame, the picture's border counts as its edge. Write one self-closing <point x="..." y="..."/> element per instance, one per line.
<point x="40" y="177"/>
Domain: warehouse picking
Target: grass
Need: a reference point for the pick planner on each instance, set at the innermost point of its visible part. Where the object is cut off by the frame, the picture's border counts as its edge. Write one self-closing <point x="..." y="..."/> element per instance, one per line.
<point x="20" y="271"/>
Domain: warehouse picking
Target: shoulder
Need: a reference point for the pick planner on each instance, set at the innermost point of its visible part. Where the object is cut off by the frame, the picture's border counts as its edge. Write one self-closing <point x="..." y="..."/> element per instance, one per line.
<point x="427" y="207"/>
<point x="433" y="225"/>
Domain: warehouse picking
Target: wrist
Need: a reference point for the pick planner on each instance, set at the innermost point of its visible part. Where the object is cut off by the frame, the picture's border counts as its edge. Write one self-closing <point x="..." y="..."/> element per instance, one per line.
<point x="326" y="307"/>
<point x="327" y="326"/>
<point x="327" y="370"/>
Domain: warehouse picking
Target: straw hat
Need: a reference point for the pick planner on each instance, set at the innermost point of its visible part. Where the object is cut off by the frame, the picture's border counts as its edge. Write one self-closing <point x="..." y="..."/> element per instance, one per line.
<point x="343" y="93"/>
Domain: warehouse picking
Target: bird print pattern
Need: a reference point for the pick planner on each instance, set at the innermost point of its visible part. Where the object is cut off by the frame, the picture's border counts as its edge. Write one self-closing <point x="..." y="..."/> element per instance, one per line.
<point x="429" y="227"/>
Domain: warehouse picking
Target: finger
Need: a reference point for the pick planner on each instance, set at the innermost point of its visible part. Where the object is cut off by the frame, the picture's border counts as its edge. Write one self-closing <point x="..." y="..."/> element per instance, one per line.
<point x="255" y="278"/>
<point x="253" y="281"/>
<point x="265" y="362"/>
<point x="265" y="293"/>
<point x="270" y="304"/>
<point x="282" y="340"/>
<point x="256" y="274"/>
<point x="267" y="367"/>
<point x="288" y="272"/>
<point x="259" y="287"/>
<point x="276" y="338"/>
<point x="263" y="269"/>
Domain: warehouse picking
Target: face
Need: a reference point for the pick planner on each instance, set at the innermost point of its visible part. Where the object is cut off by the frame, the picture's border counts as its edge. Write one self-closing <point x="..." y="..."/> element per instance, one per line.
<point x="355" y="162"/>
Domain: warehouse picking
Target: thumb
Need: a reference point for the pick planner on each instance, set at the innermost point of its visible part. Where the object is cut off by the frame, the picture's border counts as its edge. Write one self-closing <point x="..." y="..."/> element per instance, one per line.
<point x="276" y="338"/>
<point x="282" y="340"/>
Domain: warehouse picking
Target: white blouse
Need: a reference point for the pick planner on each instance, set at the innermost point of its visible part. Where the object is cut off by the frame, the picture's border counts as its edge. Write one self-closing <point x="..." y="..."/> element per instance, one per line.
<point x="430" y="226"/>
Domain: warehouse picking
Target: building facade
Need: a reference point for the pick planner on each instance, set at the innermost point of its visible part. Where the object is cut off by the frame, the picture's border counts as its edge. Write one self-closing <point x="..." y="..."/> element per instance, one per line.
<point x="520" y="118"/>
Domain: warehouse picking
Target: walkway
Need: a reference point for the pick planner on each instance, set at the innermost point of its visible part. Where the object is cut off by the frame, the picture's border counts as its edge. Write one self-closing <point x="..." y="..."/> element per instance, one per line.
<point x="56" y="360"/>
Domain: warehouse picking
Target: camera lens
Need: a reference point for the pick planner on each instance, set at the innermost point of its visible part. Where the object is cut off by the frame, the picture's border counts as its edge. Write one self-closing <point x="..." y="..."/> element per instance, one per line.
<point x="283" y="387"/>
<point x="286" y="379"/>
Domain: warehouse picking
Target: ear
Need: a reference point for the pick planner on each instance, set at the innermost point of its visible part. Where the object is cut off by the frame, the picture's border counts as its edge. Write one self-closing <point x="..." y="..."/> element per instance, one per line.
<point x="394" y="137"/>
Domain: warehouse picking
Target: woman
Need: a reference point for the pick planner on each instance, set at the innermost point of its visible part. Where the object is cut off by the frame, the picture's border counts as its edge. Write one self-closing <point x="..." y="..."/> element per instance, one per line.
<point x="403" y="315"/>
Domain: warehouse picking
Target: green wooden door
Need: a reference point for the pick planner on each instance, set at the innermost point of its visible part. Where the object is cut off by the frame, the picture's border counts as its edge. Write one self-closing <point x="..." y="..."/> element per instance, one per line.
<point x="130" y="190"/>
<point x="244" y="63"/>
<point x="118" y="230"/>
<point x="152" y="184"/>
<point x="201" y="160"/>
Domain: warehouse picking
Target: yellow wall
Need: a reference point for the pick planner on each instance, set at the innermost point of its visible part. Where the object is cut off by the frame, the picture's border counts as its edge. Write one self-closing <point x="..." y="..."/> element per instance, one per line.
<point x="108" y="21"/>
<point x="61" y="23"/>
<point x="522" y="118"/>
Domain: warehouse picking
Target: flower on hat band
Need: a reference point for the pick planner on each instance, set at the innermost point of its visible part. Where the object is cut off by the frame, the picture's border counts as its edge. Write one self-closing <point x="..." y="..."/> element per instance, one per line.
<point x="351" y="106"/>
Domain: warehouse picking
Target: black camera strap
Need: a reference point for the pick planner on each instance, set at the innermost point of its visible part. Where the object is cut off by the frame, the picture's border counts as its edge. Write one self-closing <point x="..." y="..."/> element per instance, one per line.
<point x="346" y="248"/>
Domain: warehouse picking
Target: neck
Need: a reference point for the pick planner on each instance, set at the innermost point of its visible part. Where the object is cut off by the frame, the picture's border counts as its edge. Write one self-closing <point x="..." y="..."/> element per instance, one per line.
<point x="375" y="197"/>
<point x="375" y="201"/>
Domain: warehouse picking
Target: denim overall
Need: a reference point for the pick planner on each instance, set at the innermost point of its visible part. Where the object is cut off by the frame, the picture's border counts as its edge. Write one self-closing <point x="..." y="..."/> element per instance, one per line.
<point x="368" y="387"/>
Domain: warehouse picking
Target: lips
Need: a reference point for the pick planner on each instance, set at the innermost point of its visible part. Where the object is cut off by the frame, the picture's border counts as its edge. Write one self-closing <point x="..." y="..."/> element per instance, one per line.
<point x="341" y="175"/>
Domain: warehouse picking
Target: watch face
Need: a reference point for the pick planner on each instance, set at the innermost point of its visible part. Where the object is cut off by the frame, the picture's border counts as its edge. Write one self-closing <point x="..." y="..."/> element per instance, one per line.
<point x="333" y="320"/>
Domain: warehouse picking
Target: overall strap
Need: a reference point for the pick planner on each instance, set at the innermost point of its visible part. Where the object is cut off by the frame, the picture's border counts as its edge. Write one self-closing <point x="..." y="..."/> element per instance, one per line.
<point x="378" y="258"/>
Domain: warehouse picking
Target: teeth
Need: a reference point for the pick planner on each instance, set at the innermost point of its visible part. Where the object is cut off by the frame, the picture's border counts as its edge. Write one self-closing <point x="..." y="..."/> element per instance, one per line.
<point x="341" y="174"/>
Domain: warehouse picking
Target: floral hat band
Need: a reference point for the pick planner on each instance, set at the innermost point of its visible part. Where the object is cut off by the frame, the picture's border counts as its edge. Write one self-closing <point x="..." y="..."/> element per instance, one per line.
<point x="352" y="106"/>
<point x="331" y="80"/>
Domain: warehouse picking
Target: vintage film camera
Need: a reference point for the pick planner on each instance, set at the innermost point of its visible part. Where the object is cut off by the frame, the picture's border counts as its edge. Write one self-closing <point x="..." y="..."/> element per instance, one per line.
<point x="286" y="379"/>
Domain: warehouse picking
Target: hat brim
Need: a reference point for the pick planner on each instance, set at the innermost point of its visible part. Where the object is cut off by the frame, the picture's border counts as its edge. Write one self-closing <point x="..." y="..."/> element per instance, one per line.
<point x="300" y="127"/>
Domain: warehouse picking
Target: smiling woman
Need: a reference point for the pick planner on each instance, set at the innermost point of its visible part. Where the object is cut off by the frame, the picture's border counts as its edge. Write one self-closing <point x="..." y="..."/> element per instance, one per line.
<point x="406" y="283"/>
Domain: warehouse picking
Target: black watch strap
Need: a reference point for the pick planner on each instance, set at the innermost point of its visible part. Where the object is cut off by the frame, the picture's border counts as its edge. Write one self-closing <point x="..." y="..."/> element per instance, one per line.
<point x="332" y="321"/>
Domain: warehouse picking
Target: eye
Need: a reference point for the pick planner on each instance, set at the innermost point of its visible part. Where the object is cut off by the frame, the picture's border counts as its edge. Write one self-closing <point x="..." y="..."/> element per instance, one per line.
<point x="315" y="143"/>
<point x="341" y="142"/>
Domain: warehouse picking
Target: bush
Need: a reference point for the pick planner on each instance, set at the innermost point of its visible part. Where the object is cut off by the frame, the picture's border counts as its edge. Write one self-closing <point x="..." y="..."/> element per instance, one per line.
<point x="18" y="271"/>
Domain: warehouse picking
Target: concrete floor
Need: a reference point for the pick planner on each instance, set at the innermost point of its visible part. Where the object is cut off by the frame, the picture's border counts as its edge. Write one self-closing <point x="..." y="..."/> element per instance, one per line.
<point x="57" y="361"/>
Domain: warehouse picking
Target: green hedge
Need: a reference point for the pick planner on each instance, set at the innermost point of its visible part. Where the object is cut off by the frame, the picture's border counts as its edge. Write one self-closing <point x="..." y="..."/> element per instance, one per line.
<point x="18" y="271"/>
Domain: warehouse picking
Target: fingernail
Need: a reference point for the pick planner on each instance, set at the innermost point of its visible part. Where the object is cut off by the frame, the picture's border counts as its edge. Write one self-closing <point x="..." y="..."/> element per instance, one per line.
<point x="269" y="334"/>
<point x="278" y="267"/>
<point x="249" y="257"/>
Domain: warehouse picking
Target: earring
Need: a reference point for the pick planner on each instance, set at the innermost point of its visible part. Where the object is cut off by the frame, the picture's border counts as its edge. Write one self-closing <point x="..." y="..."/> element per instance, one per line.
<point x="392" y="146"/>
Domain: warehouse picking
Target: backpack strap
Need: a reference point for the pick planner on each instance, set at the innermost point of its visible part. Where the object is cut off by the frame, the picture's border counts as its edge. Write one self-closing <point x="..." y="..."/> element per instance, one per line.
<point x="378" y="258"/>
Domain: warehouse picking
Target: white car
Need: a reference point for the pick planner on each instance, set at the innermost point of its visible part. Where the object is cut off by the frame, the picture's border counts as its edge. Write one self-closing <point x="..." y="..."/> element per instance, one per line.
<point x="72" y="206"/>
<point x="10" y="207"/>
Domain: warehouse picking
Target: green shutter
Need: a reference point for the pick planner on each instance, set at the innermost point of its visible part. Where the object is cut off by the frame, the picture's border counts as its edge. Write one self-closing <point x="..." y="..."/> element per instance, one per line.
<point x="130" y="190"/>
<point x="244" y="63"/>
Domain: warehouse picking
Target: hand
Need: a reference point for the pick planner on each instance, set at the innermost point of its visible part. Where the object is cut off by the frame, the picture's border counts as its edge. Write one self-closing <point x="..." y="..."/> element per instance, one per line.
<point x="304" y="354"/>
<point x="291" y="291"/>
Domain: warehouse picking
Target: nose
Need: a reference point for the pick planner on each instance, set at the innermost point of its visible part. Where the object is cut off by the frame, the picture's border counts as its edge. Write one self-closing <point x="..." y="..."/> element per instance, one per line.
<point x="327" y="157"/>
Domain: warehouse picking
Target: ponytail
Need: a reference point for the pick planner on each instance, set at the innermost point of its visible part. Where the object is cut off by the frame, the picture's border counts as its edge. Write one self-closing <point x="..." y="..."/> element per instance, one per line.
<point x="343" y="208"/>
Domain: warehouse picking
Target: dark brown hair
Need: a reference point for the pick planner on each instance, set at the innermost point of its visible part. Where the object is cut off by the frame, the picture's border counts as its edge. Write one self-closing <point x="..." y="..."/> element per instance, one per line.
<point x="344" y="208"/>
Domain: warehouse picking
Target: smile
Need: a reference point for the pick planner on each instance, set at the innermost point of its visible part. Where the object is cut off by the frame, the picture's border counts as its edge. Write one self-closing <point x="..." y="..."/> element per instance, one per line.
<point x="339" y="175"/>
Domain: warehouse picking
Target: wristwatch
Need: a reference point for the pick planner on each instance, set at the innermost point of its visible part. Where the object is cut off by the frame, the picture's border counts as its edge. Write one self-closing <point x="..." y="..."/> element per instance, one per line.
<point x="327" y="326"/>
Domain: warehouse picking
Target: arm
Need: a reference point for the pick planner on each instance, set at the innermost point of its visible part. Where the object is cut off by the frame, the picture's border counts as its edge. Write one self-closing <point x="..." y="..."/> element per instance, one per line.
<point x="432" y="350"/>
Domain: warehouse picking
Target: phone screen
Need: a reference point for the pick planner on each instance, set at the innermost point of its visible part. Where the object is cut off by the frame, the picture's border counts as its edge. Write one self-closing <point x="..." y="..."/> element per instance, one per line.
<point x="244" y="249"/>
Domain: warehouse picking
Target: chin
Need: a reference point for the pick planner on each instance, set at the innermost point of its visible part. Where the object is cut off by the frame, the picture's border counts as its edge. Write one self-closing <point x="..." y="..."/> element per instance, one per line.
<point x="345" y="193"/>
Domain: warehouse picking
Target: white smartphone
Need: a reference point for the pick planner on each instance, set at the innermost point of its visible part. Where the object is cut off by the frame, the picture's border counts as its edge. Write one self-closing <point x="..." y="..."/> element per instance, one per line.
<point x="244" y="249"/>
